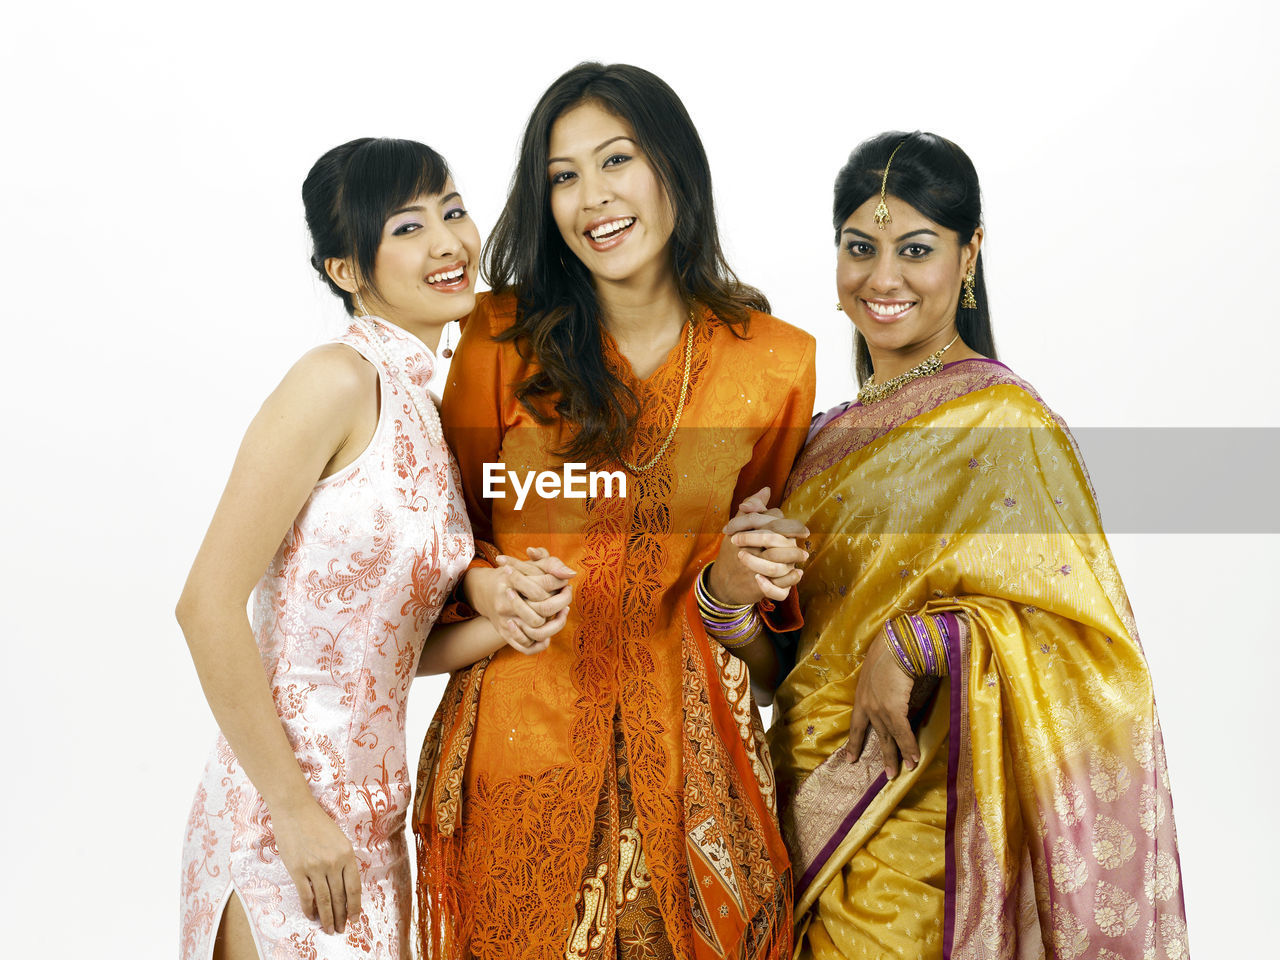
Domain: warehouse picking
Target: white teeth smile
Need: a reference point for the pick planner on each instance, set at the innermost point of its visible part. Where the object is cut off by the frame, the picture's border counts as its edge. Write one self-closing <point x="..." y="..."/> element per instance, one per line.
<point x="887" y="309"/>
<point x="612" y="227"/>
<point x="446" y="275"/>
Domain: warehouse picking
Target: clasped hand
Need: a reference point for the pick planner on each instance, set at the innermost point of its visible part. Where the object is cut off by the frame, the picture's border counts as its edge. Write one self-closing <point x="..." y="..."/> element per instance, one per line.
<point x="760" y="554"/>
<point x="526" y="601"/>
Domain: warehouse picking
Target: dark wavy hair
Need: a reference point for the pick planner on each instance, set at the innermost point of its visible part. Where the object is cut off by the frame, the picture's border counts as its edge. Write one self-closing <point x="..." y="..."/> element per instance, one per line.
<point x="352" y="189"/>
<point x="557" y="318"/>
<point x="937" y="178"/>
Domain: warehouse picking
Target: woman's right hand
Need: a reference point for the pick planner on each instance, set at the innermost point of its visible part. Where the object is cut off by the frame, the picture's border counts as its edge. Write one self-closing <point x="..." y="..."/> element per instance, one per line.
<point x="760" y="554"/>
<point x="880" y="702"/>
<point x="322" y="863"/>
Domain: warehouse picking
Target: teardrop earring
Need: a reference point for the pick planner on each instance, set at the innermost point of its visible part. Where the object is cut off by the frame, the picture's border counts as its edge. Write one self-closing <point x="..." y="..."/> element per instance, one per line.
<point x="447" y="351"/>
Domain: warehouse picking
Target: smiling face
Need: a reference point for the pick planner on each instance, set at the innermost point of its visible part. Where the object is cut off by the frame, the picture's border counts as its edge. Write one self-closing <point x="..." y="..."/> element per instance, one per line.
<point x="426" y="264"/>
<point x="900" y="286"/>
<point x="606" y="199"/>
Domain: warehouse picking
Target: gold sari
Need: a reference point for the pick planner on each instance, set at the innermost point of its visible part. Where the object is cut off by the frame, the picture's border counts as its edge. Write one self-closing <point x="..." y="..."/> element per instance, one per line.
<point x="1038" y="821"/>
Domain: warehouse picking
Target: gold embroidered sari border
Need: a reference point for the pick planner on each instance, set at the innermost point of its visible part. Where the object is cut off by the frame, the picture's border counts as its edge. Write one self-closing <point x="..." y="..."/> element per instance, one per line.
<point x="840" y="437"/>
<point x="844" y="802"/>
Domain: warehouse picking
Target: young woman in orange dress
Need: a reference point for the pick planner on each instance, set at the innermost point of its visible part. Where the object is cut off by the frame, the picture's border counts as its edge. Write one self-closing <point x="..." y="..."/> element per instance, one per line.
<point x="611" y="797"/>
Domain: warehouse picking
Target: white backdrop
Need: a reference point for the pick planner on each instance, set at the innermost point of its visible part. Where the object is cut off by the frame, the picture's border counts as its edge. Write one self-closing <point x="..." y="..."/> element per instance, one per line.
<point x="155" y="264"/>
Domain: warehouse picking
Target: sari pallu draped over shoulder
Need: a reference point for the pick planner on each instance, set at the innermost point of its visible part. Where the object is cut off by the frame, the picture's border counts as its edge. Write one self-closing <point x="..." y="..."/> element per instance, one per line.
<point x="964" y="495"/>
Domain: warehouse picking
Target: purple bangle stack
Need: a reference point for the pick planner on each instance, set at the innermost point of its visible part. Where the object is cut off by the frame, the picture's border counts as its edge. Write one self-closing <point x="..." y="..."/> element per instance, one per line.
<point x="732" y="627"/>
<point x="919" y="643"/>
<point x="900" y="654"/>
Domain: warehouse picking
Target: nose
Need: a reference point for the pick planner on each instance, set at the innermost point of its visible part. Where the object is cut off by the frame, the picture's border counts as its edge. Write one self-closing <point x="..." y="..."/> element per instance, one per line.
<point x="885" y="275"/>
<point x="444" y="241"/>
<point x="596" y="191"/>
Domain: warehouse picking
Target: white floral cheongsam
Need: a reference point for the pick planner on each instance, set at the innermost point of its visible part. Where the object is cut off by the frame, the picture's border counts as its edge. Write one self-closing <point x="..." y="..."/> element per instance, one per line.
<point x="340" y="616"/>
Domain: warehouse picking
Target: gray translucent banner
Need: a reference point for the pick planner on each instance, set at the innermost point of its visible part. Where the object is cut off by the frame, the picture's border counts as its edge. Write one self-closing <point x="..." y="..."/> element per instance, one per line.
<point x="1179" y="480"/>
<point x="1185" y="479"/>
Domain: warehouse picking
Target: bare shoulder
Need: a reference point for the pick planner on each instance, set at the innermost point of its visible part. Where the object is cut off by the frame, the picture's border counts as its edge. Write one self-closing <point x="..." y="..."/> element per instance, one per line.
<point x="332" y="375"/>
<point x="328" y="397"/>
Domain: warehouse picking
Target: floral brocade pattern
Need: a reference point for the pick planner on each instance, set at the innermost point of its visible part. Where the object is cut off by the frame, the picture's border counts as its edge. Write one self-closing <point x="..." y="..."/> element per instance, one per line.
<point x="853" y="425"/>
<point x="963" y="494"/>
<point x="528" y="860"/>
<point x="340" y="616"/>
<point x="740" y="882"/>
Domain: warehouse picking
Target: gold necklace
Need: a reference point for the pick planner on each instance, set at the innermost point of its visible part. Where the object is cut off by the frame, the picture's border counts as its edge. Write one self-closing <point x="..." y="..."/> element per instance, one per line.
<point x="684" y="394"/>
<point x="873" y="392"/>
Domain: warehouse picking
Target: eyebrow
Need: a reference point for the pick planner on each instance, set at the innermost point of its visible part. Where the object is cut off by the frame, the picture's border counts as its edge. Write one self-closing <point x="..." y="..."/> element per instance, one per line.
<point x="913" y="233"/>
<point x="551" y="160"/>
<point x="419" y="208"/>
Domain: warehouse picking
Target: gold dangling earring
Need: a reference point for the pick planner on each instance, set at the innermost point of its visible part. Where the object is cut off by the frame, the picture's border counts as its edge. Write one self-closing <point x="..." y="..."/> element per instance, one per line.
<point x="839" y="306"/>
<point x="447" y="352"/>
<point x="970" y="302"/>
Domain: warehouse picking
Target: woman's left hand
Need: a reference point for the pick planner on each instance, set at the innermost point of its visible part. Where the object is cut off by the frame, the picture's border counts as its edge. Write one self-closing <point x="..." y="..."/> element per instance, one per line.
<point x="521" y="599"/>
<point x="759" y="555"/>
<point x="880" y="702"/>
<point x="541" y="584"/>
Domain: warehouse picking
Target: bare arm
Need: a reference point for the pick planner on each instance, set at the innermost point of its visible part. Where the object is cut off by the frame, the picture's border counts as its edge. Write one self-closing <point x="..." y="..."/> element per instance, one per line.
<point x="457" y="645"/>
<point x="314" y="422"/>
<point x="537" y="593"/>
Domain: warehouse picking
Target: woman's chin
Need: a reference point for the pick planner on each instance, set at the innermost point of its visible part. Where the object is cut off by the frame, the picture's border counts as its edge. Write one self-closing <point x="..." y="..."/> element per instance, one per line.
<point x="887" y="341"/>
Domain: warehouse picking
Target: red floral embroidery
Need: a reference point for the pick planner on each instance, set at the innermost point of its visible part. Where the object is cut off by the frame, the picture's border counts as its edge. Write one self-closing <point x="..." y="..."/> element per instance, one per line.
<point x="340" y="616"/>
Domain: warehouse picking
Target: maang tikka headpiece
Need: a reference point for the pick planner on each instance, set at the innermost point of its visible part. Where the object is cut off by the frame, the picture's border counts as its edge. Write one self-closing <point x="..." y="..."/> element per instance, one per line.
<point x="881" y="216"/>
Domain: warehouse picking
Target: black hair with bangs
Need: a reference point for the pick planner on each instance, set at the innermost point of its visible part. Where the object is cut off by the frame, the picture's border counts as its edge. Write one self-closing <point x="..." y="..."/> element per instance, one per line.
<point x="352" y="190"/>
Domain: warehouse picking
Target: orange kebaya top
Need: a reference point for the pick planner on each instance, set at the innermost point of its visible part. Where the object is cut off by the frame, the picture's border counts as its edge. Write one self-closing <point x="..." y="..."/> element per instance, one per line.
<point x="555" y="734"/>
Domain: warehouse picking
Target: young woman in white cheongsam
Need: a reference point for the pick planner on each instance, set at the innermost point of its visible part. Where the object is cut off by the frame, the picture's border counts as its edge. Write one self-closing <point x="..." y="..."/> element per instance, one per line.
<point x="344" y="519"/>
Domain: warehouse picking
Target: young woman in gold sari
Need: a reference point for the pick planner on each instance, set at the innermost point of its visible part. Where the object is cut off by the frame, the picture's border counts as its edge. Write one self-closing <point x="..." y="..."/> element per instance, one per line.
<point x="969" y="758"/>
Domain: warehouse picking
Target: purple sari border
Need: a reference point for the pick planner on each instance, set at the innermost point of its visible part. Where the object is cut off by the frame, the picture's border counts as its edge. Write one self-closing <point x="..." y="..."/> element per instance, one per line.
<point x="837" y="837"/>
<point x="956" y="696"/>
<point x="826" y="448"/>
<point x="820" y="420"/>
<point x="851" y="404"/>
<point x="952" y="363"/>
